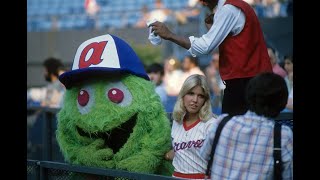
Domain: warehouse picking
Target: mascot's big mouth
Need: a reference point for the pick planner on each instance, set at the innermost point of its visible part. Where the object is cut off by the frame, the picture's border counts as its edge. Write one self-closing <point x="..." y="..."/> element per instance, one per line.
<point x="114" y="138"/>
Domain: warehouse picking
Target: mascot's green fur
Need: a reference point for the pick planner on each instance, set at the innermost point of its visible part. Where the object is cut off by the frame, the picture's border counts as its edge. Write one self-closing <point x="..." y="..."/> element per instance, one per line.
<point x="115" y="121"/>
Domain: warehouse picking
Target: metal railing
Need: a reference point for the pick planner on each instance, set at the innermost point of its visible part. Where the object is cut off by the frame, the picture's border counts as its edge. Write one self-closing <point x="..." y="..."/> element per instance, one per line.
<point x="43" y="170"/>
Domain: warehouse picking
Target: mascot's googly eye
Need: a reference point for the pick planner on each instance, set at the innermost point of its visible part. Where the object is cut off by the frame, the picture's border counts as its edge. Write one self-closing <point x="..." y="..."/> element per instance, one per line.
<point x="119" y="94"/>
<point x="115" y="95"/>
<point x="85" y="99"/>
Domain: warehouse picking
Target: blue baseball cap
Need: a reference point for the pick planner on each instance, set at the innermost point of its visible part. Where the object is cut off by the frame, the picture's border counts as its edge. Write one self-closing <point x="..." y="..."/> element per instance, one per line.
<point x="103" y="55"/>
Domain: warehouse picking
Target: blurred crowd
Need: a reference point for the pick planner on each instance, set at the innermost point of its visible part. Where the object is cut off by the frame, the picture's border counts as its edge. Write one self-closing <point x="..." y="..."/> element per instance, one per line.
<point x="175" y="71"/>
<point x="167" y="77"/>
<point x="98" y="14"/>
<point x="263" y="9"/>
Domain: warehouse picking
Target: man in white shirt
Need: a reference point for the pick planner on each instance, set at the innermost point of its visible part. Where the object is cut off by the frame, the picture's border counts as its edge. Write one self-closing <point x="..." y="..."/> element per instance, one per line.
<point x="235" y="29"/>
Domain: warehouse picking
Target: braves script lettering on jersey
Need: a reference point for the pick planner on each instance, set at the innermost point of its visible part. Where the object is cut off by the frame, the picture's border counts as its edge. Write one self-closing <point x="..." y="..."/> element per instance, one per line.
<point x="186" y="142"/>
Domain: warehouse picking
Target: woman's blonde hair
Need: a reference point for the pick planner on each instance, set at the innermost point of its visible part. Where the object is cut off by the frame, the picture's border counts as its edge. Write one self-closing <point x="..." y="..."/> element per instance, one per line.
<point x="192" y="81"/>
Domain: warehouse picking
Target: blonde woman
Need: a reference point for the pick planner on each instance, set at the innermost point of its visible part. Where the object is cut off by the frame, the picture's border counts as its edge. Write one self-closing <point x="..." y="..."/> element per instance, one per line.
<point x="192" y="119"/>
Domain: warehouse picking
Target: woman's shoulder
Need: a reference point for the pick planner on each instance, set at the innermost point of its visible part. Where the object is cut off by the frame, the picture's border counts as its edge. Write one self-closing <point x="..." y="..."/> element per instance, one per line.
<point x="176" y="123"/>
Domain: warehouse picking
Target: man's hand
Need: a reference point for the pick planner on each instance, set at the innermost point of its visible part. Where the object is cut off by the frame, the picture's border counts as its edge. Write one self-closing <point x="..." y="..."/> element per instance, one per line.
<point x="161" y="29"/>
<point x="169" y="155"/>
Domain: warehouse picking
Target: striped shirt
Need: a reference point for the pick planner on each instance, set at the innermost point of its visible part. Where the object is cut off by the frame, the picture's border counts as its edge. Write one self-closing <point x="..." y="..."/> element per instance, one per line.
<point x="186" y="143"/>
<point x="245" y="149"/>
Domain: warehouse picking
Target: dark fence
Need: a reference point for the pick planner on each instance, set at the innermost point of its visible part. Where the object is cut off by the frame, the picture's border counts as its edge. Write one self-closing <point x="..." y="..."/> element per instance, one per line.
<point x="45" y="161"/>
<point x="41" y="140"/>
<point x="45" y="170"/>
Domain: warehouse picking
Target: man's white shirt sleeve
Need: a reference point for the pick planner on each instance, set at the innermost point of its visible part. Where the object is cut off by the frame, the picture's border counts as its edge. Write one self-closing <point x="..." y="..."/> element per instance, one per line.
<point x="227" y="19"/>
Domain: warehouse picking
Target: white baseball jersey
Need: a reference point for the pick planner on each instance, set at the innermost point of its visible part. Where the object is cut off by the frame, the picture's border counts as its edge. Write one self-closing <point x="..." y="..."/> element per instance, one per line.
<point x="186" y="142"/>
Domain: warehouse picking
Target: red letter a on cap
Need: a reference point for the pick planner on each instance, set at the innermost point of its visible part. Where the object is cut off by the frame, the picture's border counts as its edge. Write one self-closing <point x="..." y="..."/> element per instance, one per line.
<point x="95" y="58"/>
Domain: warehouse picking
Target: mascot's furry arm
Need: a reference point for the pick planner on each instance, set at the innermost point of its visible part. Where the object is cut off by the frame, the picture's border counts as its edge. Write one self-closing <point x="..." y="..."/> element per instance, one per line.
<point x="116" y="123"/>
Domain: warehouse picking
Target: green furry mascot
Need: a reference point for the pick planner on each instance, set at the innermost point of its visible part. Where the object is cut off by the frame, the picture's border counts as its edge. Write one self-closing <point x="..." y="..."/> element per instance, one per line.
<point x="112" y="117"/>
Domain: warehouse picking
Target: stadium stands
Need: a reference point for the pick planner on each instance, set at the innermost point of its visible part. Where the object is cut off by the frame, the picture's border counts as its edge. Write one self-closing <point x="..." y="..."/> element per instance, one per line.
<point x="71" y="14"/>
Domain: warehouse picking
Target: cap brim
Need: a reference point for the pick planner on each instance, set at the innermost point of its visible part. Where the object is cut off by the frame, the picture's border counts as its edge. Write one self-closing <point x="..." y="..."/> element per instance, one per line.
<point x="73" y="77"/>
